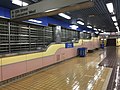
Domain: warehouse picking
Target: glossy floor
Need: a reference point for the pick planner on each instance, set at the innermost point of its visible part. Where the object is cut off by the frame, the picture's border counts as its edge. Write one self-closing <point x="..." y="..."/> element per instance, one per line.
<point x="112" y="60"/>
<point x="74" y="74"/>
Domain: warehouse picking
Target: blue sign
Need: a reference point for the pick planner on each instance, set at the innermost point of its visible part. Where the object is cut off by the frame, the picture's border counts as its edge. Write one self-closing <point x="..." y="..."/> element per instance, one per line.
<point x="69" y="45"/>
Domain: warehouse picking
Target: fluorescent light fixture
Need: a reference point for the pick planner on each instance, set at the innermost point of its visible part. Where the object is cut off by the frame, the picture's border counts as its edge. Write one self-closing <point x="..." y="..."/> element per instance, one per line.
<point x="64" y="15"/>
<point x="110" y="7"/>
<point x="17" y="2"/>
<point x="51" y="10"/>
<point x="24" y="4"/>
<point x="84" y="31"/>
<point x="80" y="22"/>
<point x="58" y="27"/>
<point x="117" y="28"/>
<point x="99" y="29"/>
<point x="102" y="31"/>
<point x="114" y="18"/>
<point x="89" y="26"/>
<point x="95" y="29"/>
<point x="35" y="21"/>
<point x="2" y="17"/>
<point x="74" y="27"/>
<point x="97" y="32"/>
<point x="116" y="24"/>
<point x="88" y="32"/>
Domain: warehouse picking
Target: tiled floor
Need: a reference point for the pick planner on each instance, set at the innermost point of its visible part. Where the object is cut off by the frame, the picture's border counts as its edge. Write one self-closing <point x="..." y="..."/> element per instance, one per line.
<point x="75" y="74"/>
<point x="112" y="60"/>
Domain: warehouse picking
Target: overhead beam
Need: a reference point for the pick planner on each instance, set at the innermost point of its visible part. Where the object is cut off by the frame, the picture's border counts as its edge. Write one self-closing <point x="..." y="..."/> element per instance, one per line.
<point x="22" y="14"/>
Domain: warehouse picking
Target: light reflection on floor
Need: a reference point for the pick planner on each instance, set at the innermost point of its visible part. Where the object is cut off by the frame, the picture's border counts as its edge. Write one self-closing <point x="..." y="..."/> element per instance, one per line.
<point x="75" y="74"/>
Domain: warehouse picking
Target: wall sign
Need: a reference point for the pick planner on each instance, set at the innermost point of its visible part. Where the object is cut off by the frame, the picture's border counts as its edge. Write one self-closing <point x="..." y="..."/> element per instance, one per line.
<point x="69" y="45"/>
<point x="42" y="7"/>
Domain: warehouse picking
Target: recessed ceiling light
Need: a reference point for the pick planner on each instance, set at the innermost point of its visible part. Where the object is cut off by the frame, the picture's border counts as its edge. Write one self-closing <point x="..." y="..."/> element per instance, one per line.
<point x="97" y="32"/>
<point x="73" y="27"/>
<point x="102" y="31"/>
<point x="51" y="10"/>
<point x="35" y="21"/>
<point x="80" y="22"/>
<point x="110" y="7"/>
<point x="114" y="18"/>
<point x="89" y="26"/>
<point x="19" y="2"/>
<point x="117" y="28"/>
<point x="95" y="29"/>
<point x="64" y="15"/>
<point x="25" y="4"/>
<point x="88" y="32"/>
<point x="84" y="31"/>
<point x="116" y="24"/>
<point x="99" y="29"/>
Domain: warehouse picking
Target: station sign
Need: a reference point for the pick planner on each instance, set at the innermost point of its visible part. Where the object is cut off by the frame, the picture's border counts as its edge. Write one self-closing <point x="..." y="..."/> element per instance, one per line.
<point x="42" y="7"/>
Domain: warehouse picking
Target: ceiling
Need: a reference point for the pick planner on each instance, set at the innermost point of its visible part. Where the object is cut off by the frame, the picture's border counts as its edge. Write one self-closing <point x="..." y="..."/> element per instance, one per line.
<point x="97" y="16"/>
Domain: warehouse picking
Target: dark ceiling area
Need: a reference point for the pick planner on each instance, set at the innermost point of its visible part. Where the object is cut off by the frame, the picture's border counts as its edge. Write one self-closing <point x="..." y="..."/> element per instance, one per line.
<point x="97" y="16"/>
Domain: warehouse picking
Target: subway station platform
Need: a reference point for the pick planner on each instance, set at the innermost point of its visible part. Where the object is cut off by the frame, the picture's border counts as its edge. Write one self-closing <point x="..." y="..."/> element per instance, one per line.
<point x="96" y="71"/>
<point x="40" y="41"/>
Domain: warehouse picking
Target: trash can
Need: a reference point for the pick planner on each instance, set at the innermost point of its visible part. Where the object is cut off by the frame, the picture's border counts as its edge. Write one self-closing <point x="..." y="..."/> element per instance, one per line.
<point x="82" y="52"/>
<point x="102" y="46"/>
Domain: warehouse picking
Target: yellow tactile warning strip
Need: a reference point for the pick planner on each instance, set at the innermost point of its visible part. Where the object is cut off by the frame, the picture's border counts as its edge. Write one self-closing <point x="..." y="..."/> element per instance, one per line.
<point x="75" y="74"/>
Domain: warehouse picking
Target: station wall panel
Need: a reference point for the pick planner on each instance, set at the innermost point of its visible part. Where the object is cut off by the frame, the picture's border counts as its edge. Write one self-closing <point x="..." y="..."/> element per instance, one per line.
<point x="96" y="43"/>
<point x="90" y="45"/>
<point x="48" y="60"/>
<point x="34" y="64"/>
<point x="12" y="70"/>
<point x="69" y="53"/>
<point x="58" y="54"/>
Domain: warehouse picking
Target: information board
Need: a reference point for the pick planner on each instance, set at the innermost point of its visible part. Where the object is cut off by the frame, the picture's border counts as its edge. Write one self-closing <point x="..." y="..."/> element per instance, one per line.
<point x="69" y="45"/>
<point x="43" y="6"/>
